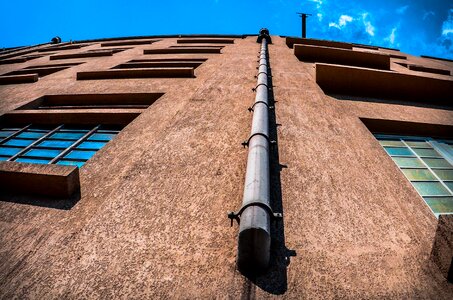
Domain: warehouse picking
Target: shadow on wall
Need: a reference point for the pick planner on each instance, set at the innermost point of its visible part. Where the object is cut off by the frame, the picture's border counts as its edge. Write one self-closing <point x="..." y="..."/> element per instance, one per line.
<point x="442" y="252"/>
<point x="274" y="280"/>
<point x="56" y="203"/>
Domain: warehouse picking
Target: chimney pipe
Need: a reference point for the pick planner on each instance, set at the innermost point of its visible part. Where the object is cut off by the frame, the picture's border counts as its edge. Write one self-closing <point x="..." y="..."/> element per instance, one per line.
<point x="304" y="23"/>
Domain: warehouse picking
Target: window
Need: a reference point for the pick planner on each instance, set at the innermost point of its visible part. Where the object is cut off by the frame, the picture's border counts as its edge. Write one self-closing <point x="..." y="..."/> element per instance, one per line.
<point x="428" y="164"/>
<point x="61" y="145"/>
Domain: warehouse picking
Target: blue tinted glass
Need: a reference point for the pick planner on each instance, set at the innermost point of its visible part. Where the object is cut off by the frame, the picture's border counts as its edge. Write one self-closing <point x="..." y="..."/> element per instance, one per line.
<point x="31" y="135"/>
<point x="67" y="135"/>
<point x="91" y="145"/>
<point x="78" y="154"/>
<point x="55" y="144"/>
<point x="70" y="163"/>
<point x="101" y="137"/>
<point x="75" y="130"/>
<point x="32" y="160"/>
<point x="398" y="151"/>
<point x="43" y="153"/>
<point x="4" y="133"/>
<point x="3" y="158"/>
<point x="18" y="142"/>
<point x="9" y="151"/>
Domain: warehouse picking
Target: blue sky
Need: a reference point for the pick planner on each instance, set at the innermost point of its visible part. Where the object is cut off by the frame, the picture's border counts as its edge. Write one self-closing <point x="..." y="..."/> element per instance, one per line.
<point x="417" y="26"/>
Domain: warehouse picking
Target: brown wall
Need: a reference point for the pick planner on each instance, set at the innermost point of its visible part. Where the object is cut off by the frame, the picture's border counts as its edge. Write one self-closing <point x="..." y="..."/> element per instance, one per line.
<point x="151" y="221"/>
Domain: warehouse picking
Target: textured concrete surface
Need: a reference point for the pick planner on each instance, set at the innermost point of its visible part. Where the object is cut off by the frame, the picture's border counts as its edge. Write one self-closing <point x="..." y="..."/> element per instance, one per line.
<point x="151" y="221"/>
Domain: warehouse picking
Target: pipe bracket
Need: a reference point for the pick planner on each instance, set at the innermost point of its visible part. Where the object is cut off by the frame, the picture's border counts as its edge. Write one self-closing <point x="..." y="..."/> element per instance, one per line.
<point x="251" y="108"/>
<point x="254" y="89"/>
<point x="237" y="215"/>
<point x="246" y="143"/>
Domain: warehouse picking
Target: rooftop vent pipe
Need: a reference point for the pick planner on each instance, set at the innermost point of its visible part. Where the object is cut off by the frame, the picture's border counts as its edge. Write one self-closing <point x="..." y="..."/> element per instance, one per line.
<point x="56" y="40"/>
<point x="255" y="215"/>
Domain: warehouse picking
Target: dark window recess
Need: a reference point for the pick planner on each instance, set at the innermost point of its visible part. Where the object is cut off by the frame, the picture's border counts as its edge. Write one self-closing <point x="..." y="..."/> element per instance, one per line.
<point x="42" y="70"/>
<point x="161" y="63"/>
<point x="21" y="59"/>
<point x="184" y="50"/>
<point x="62" y="144"/>
<point x="197" y="46"/>
<point x="205" y="41"/>
<point x="63" y="47"/>
<point x="93" y="101"/>
<point x="128" y="42"/>
<point x="425" y="69"/>
<point x="89" y="53"/>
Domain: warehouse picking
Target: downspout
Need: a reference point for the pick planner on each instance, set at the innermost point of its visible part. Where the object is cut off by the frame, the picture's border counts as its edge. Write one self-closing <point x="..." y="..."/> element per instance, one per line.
<point x="255" y="215"/>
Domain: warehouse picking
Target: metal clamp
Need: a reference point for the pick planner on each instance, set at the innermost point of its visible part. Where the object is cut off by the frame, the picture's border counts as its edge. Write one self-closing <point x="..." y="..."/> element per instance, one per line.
<point x="250" y="109"/>
<point x="237" y="215"/>
<point x="246" y="143"/>
<point x="254" y="89"/>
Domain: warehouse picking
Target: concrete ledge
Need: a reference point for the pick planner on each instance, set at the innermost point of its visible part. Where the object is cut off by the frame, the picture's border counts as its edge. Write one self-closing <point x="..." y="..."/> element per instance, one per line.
<point x="126" y="43"/>
<point x="82" y="55"/>
<point x="38" y="179"/>
<point x="14" y="79"/>
<point x="137" y="73"/>
<point x="290" y="41"/>
<point x="40" y="71"/>
<point x="205" y="41"/>
<point x="71" y="116"/>
<point x="436" y="58"/>
<point x="354" y="81"/>
<point x="342" y="56"/>
<point x="182" y="50"/>
<point x="90" y="101"/>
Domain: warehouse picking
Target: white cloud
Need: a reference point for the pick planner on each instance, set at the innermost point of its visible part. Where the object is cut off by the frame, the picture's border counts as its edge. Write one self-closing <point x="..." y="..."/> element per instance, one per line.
<point x="319" y="15"/>
<point x="447" y="25"/>
<point x="402" y="9"/>
<point x="342" y="22"/>
<point x="392" y="36"/>
<point x="427" y="14"/>
<point x="369" y="28"/>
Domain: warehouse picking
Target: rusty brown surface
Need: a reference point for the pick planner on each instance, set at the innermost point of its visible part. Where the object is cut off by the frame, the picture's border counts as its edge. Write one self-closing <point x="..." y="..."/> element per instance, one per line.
<point x="151" y="221"/>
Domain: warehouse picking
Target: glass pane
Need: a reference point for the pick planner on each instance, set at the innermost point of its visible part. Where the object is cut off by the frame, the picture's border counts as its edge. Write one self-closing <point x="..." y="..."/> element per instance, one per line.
<point x="32" y="160"/>
<point x="426" y="152"/>
<point x="444" y="174"/>
<point x="10" y="151"/>
<point x="431" y="189"/>
<point x="70" y="163"/>
<point x="5" y="133"/>
<point x="440" y="204"/>
<point x="91" y="145"/>
<point x="408" y="162"/>
<point x="31" y="135"/>
<point x="18" y="142"/>
<point x="415" y="144"/>
<point x="43" y="153"/>
<point x="55" y="144"/>
<point x="78" y="154"/>
<point x="437" y="163"/>
<point x="449" y="184"/>
<point x="3" y="158"/>
<point x="418" y="174"/>
<point x="67" y="135"/>
<point x="101" y="137"/>
<point x="75" y="130"/>
<point x="391" y="143"/>
<point x="399" y="151"/>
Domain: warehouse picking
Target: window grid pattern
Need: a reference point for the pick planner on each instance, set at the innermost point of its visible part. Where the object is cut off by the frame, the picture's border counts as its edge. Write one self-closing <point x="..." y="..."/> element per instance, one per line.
<point x="425" y="167"/>
<point x="61" y="145"/>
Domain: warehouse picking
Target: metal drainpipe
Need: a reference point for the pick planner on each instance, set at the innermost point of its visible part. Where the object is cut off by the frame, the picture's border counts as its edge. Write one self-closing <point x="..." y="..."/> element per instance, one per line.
<point x="256" y="214"/>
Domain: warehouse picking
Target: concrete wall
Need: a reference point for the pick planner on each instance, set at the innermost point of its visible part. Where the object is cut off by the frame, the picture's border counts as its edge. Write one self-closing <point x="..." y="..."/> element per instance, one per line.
<point x="151" y="221"/>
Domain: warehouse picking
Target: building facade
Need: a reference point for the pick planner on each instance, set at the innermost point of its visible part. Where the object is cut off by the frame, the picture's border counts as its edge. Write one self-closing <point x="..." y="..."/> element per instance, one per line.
<point x="121" y="158"/>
